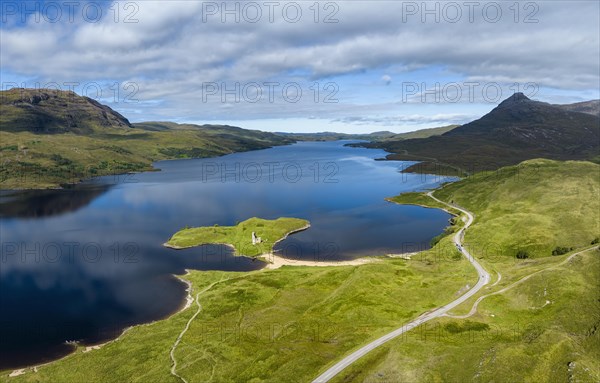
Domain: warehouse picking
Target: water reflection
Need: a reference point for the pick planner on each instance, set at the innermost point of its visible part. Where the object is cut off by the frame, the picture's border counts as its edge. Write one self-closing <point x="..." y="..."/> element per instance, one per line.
<point x="84" y="263"/>
<point x="46" y="203"/>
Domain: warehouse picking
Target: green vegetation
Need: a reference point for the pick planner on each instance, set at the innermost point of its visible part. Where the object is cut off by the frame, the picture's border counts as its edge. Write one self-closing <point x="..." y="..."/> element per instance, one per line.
<point x="534" y="207"/>
<point x="49" y="160"/>
<point x="542" y="325"/>
<point x="240" y="236"/>
<point x="560" y="250"/>
<point x="543" y="330"/>
<point x="288" y="324"/>
<point x="375" y="136"/>
<point x="49" y="111"/>
<point x="278" y="325"/>
<point x="50" y="138"/>
<point x="419" y="199"/>
<point x="522" y="254"/>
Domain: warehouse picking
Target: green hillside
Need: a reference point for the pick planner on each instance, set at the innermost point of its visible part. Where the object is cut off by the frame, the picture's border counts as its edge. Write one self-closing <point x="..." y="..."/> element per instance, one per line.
<point x="539" y="319"/>
<point x="53" y="111"/>
<point x="534" y="207"/>
<point x="49" y="138"/>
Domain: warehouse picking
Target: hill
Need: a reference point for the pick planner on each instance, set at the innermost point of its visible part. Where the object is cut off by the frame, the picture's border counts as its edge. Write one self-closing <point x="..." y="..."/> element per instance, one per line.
<point x="222" y="132"/>
<point x="49" y="111"/>
<point x="375" y="136"/>
<point x="589" y="107"/>
<point x="423" y="133"/>
<point x="516" y="130"/>
<point x="535" y="206"/>
<point x="539" y="319"/>
<point x="49" y="138"/>
<point x="335" y="136"/>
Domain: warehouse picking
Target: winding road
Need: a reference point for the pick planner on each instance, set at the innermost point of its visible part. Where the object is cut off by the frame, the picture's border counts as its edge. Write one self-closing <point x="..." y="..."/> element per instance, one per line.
<point x="484" y="279"/>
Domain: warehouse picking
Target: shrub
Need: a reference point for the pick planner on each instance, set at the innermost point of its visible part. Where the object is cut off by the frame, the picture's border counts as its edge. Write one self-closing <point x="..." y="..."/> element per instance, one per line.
<point x="522" y="254"/>
<point x="595" y="241"/>
<point x="559" y="250"/>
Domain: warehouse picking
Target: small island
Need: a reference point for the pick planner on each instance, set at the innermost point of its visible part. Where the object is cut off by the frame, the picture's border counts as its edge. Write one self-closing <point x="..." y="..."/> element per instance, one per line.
<point x="252" y="237"/>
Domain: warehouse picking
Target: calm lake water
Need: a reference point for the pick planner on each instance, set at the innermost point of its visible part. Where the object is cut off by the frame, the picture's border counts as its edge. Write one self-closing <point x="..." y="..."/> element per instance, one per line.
<point x="81" y="264"/>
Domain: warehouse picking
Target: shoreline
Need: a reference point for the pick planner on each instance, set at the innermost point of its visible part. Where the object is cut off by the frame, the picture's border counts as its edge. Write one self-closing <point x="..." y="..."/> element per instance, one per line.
<point x="189" y="299"/>
<point x="175" y="247"/>
<point x="151" y="168"/>
<point x="85" y="348"/>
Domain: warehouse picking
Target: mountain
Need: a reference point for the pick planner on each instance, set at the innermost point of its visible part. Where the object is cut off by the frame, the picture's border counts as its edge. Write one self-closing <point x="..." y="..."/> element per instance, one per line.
<point x="48" y="111"/>
<point x="589" y="107"/>
<point x="516" y="130"/>
<point x="50" y="138"/>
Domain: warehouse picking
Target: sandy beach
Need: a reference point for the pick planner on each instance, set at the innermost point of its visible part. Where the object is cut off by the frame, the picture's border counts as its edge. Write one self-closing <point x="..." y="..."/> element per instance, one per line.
<point x="275" y="262"/>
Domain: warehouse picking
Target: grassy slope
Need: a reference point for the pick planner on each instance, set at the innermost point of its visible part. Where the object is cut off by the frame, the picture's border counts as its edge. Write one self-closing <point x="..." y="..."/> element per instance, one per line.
<point x="50" y="137"/>
<point x="274" y="326"/>
<point x="29" y="160"/>
<point x="516" y="335"/>
<point x="534" y="206"/>
<point x="240" y="236"/>
<point x="419" y="199"/>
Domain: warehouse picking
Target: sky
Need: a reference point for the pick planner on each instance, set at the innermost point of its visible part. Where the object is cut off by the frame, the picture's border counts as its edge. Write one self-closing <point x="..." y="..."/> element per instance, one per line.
<point x="305" y="66"/>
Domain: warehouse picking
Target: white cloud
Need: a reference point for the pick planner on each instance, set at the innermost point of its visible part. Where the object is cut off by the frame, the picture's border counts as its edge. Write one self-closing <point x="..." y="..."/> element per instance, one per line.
<point x="174" y="48"/>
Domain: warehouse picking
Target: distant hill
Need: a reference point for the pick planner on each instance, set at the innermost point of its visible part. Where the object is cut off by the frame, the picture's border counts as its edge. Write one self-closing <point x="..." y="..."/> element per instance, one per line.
<point x="335" y="136"/>
<point x="589" y="107"/>
<point x="423" y="133"/>
<point x="375" y="136"/>
<point x="48" y="111"/>
<point x="224" y="132"/>
<point x="516" y="130"/>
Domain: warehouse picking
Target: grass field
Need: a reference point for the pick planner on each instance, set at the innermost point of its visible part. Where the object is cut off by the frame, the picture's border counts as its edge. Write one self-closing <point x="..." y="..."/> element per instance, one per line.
<point x="533" y="207"/>
<point x="278" y="325"/>
<point x="240" y="236"/>
<point x="289" y="324"/>
<point x="543" y="328"/>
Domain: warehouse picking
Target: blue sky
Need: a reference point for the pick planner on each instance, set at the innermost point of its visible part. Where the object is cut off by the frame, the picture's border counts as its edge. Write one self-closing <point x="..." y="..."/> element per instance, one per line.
<point x="360" y="66"/>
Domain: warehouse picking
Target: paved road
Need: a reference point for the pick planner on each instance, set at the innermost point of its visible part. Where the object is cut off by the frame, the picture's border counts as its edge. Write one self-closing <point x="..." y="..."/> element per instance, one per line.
<point x="484" y="279"/>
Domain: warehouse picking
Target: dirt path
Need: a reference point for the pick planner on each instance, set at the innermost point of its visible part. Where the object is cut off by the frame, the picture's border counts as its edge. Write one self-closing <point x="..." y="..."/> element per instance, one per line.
<point x="481" y="298"/>
<point x="187" y="326"/>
